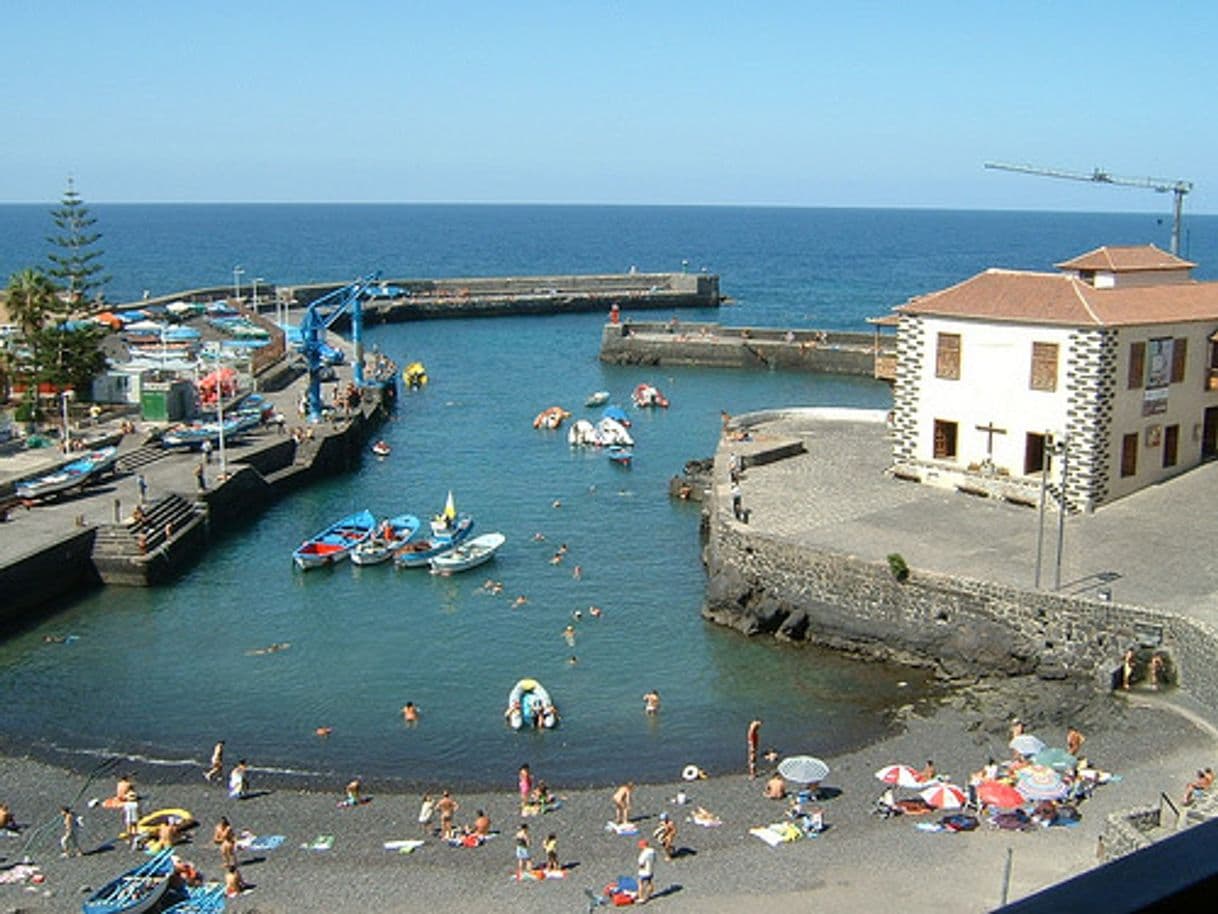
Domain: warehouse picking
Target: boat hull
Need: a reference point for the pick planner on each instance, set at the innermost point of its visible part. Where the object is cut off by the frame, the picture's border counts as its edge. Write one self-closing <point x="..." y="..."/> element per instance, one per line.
<point x="379" y="549"/>
<point x="336" y="542"/>
<point x="467" y="555"/>
<point x="418" y="553"/>
<point x="136" y="891"/>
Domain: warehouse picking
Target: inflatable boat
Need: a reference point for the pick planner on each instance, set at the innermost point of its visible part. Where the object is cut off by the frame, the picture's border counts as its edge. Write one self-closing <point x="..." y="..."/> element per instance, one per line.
<point x="529" y="705"/>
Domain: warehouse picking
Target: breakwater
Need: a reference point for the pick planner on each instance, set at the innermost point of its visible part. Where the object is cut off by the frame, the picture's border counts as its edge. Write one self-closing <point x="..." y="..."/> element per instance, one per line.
<point x="673" y="342"/>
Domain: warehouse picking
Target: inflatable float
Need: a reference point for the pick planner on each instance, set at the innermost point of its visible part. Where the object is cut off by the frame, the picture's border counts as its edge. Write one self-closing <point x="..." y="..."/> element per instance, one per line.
<point x="648" y="395"/>
<point x="551" y="417"/>
<point x="529" y="705"/>
<point x="415" y="375"/>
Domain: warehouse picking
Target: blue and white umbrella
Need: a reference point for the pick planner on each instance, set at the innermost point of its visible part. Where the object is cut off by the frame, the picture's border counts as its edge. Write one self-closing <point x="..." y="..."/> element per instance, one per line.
<point x="803" y="769"/>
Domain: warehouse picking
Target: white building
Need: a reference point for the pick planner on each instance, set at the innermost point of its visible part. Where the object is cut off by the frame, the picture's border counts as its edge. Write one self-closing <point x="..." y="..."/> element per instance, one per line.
<point x="1111" y="362"/>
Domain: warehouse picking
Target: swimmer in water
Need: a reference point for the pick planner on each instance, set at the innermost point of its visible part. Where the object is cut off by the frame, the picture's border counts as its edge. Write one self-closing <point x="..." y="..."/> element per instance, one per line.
<point x="568" y="633"/>
<point x="577" y="572"/>
<point x="594" y="611"/>
<point x="572" y="660"/>
<point x="324" y="731"/>
<point x="557" y="503"/>
<point x="576" y="615"/>
<point x="520" y="601"/>
<point x="270" y="648"/>
<point x="539" y="537"/>
<point x="410" y="713"/>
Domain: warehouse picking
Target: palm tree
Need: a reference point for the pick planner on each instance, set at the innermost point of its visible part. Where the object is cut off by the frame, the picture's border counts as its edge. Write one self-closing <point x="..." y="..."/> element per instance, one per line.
<point x="29" y="299"/>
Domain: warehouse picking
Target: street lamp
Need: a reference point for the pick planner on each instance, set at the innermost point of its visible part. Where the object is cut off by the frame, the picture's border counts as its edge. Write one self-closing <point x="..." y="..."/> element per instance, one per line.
<point x="257" y="279"/>
<point x="237" y="271"/>
<point x="67" y="431"/>
<point x="1061" y="449"/>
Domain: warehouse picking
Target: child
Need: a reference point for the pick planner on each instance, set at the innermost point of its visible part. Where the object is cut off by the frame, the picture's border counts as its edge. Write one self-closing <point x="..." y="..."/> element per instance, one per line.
<point x="426" y="810"/>
<point x="551" y="847"/>
<point x="234" y="885"/>
<point x="68" y="842"/>
<point x="353" y="797"/>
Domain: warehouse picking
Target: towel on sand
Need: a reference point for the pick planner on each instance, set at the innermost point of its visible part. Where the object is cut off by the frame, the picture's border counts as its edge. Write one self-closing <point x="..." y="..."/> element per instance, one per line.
<point x="628" y="828"/>
<point x="250" y="842"/>
<point x="405" y="846"/>
<point x="320" y="843"/>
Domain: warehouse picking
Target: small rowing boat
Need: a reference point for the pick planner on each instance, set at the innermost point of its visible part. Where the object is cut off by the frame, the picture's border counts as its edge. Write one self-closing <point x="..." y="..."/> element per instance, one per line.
<point x="77" y="474"/>
<point x="382" y="448"/>
<point x="138" y="890"/>
<point x="390" y="536"/>
<point x="420" y="552"/>
<point x="648" y="395"/>
<point x="335" y="543"/>
<point x="622" y="456"/>
<point x="469" y="554"/>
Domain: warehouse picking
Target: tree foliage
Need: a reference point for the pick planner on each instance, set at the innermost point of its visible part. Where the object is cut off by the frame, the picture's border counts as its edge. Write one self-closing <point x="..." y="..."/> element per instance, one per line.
<point x="76" y="262"/>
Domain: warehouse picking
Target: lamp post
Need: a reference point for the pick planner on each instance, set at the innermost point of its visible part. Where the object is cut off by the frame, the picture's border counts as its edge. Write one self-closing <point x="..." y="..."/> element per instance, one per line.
<point x="67" y="431"/>
<point x="257" y="279"/>
<point x="237" y="271"/>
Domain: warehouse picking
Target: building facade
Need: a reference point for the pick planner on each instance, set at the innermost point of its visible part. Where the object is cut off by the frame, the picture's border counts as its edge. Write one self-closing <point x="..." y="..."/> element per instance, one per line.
<point x="1103" y="375"/>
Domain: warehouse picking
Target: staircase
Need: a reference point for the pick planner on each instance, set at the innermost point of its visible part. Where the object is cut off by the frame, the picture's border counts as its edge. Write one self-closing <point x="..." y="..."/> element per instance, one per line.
<point x="153" y="547"/>
<point x="141" y="456"/>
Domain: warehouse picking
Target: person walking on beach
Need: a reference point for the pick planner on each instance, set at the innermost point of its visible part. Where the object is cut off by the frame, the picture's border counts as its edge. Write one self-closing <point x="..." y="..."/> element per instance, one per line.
<point x="217" y="763"/>
<point x="131" y="818"/>
<point x="226" y="839"/>
<point x="522" y="851"/>
<point x="666" y="834"/>
<point x="621" y="803"/>
<point x="426" y="810"/>
<point x="447" y="808"/>
<point x="647" y="866"/>
<point x="753" y="737"/>
<point x="69" y="843"/>
<point x="524" y="784"/>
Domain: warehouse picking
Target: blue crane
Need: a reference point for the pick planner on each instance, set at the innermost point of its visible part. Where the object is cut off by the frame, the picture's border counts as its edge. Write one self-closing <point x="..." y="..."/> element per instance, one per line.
<point x="318" y="318"/>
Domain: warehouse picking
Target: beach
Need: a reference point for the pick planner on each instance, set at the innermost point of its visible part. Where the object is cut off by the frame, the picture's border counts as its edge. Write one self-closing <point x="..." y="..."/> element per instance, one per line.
<point x="862" y="862"/>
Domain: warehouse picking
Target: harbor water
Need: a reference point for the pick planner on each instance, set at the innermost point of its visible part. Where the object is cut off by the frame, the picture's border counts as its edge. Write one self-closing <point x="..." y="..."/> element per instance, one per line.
<point x="162" y="673"/>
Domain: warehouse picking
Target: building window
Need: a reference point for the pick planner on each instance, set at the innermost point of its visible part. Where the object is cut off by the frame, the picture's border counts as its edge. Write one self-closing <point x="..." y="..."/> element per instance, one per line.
<point x="1034" y="457"/>
<point x="1179" y="355"/>
<point x="1129" y="455"/>
<point x="945" y="440"/>
<point x="1137" y="365"/>
<point x="1171" y="444"/>
<point x="947" y="356"/>
<point x="1044" y="366"/>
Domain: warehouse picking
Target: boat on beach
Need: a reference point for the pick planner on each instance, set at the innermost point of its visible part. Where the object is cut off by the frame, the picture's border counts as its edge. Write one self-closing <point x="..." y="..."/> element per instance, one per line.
<point x="193" y="435"/>
<point x="390" y="536"/>
<point x="335" y="542"/>
<point x="417" y="553"/>
<point x="138" y="890"/>
<point x="196" y="899"/>
<point x="467" y="555"/>
<point x="79" y="473"/>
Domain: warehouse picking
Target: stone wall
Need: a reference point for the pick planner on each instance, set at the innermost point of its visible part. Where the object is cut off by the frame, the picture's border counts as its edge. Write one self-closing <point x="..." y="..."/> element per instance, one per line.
<point x="44" y="575"/>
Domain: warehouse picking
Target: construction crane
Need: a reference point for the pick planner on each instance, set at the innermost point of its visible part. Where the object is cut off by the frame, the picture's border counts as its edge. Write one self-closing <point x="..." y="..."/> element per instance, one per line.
<point x="317" y="320"/>
<point x="1098" y="176"/>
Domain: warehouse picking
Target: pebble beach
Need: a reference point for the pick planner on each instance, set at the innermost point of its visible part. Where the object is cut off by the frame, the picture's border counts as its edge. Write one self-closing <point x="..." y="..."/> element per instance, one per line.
<point x="862" y="862"/>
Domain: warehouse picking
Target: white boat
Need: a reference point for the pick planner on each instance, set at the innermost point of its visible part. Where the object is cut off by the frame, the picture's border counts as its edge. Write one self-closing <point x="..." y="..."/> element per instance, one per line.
<point x="613" y="432"/>
<point x="600" y="398"/>
<point x="469" y="554"/>
<point x="529" y="704"/>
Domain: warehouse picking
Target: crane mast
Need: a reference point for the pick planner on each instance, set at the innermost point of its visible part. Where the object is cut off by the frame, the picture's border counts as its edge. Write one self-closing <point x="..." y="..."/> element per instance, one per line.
<point x="1176" y="188"/>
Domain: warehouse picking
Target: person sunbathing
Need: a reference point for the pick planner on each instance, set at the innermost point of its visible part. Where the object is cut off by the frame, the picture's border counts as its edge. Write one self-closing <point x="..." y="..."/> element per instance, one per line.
<point x="1201" y="783"/>
<point x="775" y="788"/>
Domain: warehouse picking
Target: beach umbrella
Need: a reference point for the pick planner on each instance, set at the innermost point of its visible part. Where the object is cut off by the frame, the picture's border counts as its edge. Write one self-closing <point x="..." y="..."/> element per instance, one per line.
<point x="944" y="796"/>
<point x="1026" y="744"/>
<point x="1056" y="758"/>
<point x="899" y="776"/>
<point x="997" y="793"/>
<point x="1039" y="782"/>
<point x="803" y="769"/>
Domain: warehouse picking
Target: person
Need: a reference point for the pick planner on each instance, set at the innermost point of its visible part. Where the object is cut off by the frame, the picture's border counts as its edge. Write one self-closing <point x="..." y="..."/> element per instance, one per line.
<point x="1127" y="669"/>
<point x="775" y="788"/>
<point x="737" y="500"/>
<point x="217" y="762"/>
<point x="131" y="818"/>
<point x="1016" y="727"/>
<point x="666" y="834"/>
<point x="647" y="865"/>
<point x="551" y="848"/>
<point x="482" y="824"/>
<point x="1074" y="741"/>
<point x="7" y="822"/>
<point x="238" y="781"/>
<point x="142" y="483"/>
<point x="202" y="483"/>
<point x="621" y="803"/>
<point x="206" y="448"/>
<point x="524" y="785"/>
<point x="447" y="808"/>
<point x="522" y="851"/>
<point x="69" y="843"/>
<point x="226" y="839"/>
<point x="353" y="793"/>
<point x="577" y="572"/>
<point x="651" y="702"/>
<point x="928" y="773"/>
<point x="753" y="736"/>
<point x="410" y="713"/>
<point x="125" y="785"/>
<point x="167" y="834"/>
<point x="1201" y="783"/>
<point x="1156" y="670"/>
<point x="234" y="885"/>
<point x="568" y="635"/>
<point x="426" y="811"/>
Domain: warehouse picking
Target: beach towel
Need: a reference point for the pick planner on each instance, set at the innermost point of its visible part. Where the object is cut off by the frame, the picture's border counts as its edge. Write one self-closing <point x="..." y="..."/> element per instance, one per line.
<point x="248" y="841"/>
<point x="628" y="828"/>
<point x="320" y="843"/>
<point x="540" y="874"/>
<point x="706" y="821"/>
<point x="930" y="826"/>
<point x="19" y="873"/>
<point x="777" y="833"/>
<point x="406" y="846"/>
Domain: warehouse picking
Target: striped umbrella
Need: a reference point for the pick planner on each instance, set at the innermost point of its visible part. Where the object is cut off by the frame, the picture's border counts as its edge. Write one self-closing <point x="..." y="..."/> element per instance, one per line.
<point x="899" y="776"/>
<point x="944" y="796"/>
<point x="1040" y="782"/>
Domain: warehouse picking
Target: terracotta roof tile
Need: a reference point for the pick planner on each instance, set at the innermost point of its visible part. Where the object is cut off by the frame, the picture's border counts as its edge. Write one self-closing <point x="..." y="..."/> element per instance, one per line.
<point x="1126" y="258"/>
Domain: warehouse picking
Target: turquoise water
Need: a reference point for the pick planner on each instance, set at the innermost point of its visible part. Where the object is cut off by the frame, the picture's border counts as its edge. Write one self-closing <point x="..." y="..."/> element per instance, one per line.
<point x="163" y="673"/>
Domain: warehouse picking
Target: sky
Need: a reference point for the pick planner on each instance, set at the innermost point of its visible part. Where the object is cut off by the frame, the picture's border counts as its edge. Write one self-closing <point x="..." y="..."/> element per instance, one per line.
<point x="608" y="101"/>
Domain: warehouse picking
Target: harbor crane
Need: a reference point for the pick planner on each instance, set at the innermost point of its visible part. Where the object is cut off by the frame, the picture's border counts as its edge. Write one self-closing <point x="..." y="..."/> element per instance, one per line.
<point x="1098" y="176"/>
<point x="321" y="314"/>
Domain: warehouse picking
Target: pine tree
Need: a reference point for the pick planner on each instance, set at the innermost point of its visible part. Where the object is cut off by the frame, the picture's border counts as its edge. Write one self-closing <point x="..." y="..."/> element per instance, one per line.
<point x="76" y="266"/>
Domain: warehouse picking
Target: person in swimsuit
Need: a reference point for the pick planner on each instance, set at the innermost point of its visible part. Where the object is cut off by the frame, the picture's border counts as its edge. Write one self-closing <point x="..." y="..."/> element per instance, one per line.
<point x="753" y="737"/>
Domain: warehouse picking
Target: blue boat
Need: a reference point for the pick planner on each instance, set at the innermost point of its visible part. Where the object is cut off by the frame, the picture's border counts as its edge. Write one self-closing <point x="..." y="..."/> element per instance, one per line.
<point x="335" y="543"/>
<point x="194" y="434"/>
<point x="619" y="455"/>
<point x="201" y="899"/>
<point x="390" y="536"/>
<point x="617" y="414"/>
<point x="136" y="891"/>
<point x="420" y="552"/>
<point x="77" y="474"/>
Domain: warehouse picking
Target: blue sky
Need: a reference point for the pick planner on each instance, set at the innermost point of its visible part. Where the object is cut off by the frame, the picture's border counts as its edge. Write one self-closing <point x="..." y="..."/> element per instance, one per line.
<point x="617" y="101"/>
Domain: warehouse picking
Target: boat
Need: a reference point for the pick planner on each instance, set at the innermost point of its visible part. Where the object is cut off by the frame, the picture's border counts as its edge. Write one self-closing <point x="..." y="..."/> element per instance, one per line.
<point x="469" y="554"/>
<point x="551" y="417"/>
<point x="196" y="899"/>
<point x="611" y="432"/>
<point x="420" y="552"/>
<point x="194" y="434"/>
<point x="77" y="474"/>
<point x="581" y="433"/>
<point x="135" y="891"/>
<point x="335" y="543"/>
<point x="382" y="448"/>
<point x="648" y="395"/>
<point x="600" y="398"/>
<point x="415" y="375"/>
<point x="617" y="414"/>
<point x="529" y="705"/>
<point x="390" y="536"/>
<point x="620" y="455"/>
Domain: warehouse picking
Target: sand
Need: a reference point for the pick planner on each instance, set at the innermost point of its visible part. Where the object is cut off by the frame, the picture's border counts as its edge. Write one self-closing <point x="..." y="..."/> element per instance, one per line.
<point x="862" y="863"/>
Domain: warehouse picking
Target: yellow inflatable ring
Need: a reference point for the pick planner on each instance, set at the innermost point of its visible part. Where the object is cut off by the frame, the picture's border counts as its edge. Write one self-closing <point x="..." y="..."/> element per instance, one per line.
<point x="527" y="685"/>
<point x="153" y="820"/>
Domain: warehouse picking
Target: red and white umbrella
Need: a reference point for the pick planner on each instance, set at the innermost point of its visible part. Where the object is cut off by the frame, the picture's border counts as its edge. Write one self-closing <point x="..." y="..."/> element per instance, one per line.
<point x="900" y="776"/>
<point x="944" y="796"/>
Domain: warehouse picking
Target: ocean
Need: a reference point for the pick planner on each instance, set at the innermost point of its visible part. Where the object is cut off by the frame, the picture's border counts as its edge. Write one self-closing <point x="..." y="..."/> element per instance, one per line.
<point x="162" y="673"/>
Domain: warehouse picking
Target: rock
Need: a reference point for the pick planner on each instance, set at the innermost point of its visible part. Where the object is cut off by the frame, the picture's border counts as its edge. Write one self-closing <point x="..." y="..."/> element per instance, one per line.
<point x="795" y="627"/>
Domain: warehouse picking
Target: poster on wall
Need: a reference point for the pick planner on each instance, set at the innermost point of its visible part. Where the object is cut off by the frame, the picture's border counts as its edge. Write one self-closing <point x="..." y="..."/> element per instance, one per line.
<point x="1154" y="402"/>
<point x="1158" y="357"/>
